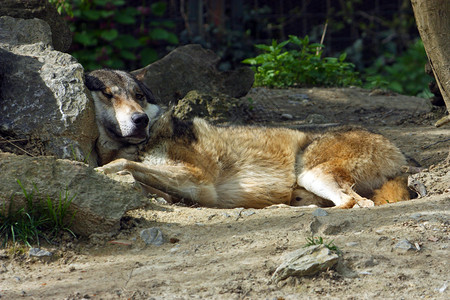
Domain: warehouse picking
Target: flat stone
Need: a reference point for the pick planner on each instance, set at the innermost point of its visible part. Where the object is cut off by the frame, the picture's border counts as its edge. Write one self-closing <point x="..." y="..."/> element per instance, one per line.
<point x="320" y="213"/>
<point x="36" y="252"/>
<point x="152" y="236"/>
<point x="306" y="261"/>
<point x="404" y="245"/>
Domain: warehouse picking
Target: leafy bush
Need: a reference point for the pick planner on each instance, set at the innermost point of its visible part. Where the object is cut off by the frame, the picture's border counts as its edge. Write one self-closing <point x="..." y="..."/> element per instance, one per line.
<point x="405" y="75"/>
<point x="301" y="66"/>
<point x="109" y="33"/>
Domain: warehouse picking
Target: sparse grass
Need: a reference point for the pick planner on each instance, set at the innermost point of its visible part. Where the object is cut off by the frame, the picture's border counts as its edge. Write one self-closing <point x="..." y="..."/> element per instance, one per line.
<point x="318" y="240"/>
<point x="75" y="157"/>
<point x="38" y="219"/>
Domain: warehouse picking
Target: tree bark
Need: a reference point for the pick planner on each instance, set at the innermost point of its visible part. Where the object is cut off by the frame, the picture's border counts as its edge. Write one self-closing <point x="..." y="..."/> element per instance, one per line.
<point x="433" y="21"/>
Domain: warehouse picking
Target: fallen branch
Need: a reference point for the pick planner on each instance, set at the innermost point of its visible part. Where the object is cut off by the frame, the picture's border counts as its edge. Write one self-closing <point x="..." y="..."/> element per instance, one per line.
<point x="21" y="149"/>
<point x="431" y="145"/>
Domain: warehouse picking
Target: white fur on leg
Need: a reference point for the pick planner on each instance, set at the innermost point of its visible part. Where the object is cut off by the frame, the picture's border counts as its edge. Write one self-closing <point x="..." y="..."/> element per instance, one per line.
<point x="322" y="185"/>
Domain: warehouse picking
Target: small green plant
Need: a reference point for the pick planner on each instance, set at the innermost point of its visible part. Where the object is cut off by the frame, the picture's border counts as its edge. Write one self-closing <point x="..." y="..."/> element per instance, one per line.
<point x="76" y="156"/>
<point x="405" y="75"/>
<point x="301" y="66"/>
<point x="57" y="213"/>
<point x="63" y="6"/>
<point x="37" y="219"/>
<point x="318" y="240"/>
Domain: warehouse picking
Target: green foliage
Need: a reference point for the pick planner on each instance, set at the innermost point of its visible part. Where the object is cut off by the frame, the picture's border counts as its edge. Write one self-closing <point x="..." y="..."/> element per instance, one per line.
<point x="109" y="33"/>
<point x="318" y="240"/>
<point x="37" y="219"/>
<point x="405" y="75"/>
<point x="63" y="6"/>
<point x="300" y="66"/>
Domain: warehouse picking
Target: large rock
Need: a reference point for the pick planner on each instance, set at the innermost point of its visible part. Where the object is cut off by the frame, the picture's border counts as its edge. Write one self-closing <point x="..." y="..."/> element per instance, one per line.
<point x="190" y="68"/>
<point x="99" y="201"/>
<point x="42" y="93"/>
<point x="215" y="107"/>
<point x="305" y="262"/>
<point x="41" y="9"/>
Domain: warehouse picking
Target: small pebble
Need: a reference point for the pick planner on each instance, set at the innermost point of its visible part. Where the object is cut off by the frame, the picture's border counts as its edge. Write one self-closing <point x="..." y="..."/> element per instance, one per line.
<point x="352" y="244"/>
<point x="365" y="273"/>
<point x="416" y="216"/>
<point x="287" y="116"/>
<point x="443" y="287"/>
<point x="174" y="249"/>
<point x="152" y="236"/>
<point x="247" y="213"/>
<point x="404" y="245"/>
<point x="320" y="213"/>
<point x="39" y="252"/>
<point x="161" y="200"/>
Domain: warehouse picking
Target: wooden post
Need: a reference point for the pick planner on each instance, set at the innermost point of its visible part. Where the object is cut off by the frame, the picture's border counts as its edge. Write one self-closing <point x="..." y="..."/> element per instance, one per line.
<point x="433" y="21"/>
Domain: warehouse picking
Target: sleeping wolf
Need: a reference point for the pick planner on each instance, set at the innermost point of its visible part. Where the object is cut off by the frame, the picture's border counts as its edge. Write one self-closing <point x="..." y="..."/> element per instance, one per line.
<point x="226" y="167"/>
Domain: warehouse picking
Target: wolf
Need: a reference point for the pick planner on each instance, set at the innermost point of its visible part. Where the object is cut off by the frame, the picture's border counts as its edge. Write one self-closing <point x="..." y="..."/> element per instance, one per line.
<point x="125" y="109"/>
<point x="238" y="166"/>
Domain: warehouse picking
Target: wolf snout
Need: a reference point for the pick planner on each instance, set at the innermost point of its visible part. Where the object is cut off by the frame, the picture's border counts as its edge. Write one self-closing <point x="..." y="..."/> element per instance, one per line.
<point x="140" y="120"/>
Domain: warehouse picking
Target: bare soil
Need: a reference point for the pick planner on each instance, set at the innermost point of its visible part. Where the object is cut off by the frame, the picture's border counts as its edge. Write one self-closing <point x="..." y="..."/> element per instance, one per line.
<point x="232" y="253"/>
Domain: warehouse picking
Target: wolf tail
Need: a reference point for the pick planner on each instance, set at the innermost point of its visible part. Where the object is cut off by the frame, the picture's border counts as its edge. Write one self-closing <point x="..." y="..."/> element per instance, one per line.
<point x="391" y="191"/>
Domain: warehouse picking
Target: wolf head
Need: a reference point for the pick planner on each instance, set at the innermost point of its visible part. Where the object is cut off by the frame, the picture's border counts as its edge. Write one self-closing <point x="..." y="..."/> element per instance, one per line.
<point x="125" y="108"/>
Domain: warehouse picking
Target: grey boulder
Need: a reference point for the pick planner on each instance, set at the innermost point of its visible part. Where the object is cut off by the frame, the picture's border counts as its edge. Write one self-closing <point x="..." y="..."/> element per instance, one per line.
<point x="192" y="67"/>
<point x="42" y="93"/>
<point x="98" y="201"/>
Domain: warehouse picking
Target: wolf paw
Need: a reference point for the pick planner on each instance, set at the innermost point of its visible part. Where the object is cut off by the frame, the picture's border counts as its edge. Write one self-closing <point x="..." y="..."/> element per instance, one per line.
<point x="364" y="203"/>
<point x="115" y="166"/>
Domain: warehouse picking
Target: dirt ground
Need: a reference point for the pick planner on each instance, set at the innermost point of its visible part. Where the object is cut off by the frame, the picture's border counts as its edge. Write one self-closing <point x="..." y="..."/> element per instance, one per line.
<point x="232" y="253"/>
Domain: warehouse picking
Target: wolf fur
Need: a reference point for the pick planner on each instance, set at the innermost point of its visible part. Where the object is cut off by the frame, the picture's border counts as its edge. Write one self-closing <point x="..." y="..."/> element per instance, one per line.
<point x="251" y="167"/>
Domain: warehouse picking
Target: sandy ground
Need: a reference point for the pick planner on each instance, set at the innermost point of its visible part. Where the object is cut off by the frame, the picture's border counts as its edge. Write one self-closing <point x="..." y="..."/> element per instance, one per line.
<point x="231" y="254"/>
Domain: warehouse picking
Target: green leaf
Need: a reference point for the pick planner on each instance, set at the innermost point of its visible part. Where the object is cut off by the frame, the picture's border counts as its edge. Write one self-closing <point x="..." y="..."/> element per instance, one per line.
<point x="396" y="86"/>
<point x="168" y="24"/>
<point x="109" y="35"/>
<point x="158" y="8"/>
<point x="117" y="2"/>
<point x="126" y="41"/>
<point x="100" y="2"/>
<point x="124" y="18"/>
<point x="115" y="63"/>
<point x="250" y="61"/>
<point x="127" y="55"/>
<point x="92" y="15"/>
<point x="342" y="57"/>
<point x="159" y="34"/>
<point x="148" y="55"/>
<point x="85" y="38"/>
<point x="173" y="39"/>
<point x="106" y="13"/>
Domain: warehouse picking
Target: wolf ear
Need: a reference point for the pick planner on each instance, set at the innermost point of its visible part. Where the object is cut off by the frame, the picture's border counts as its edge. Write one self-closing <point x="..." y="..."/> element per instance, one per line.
<point x="140" y="74"/>
<point x="93" y="83"/>
<point x="148" y="93"/>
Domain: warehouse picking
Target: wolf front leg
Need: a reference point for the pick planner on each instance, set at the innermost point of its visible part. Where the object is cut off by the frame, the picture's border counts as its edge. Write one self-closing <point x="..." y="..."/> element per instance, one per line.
<point x="175" y="180"/>
<point x="331" y="187"/>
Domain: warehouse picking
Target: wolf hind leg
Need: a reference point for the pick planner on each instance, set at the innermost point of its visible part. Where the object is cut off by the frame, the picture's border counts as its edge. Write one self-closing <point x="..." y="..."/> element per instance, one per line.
<point x="332" y="187"/>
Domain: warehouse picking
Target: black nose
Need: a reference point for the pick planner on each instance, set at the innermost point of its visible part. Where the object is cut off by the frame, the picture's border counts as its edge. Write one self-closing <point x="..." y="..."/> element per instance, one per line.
<point x="140" y="120"/>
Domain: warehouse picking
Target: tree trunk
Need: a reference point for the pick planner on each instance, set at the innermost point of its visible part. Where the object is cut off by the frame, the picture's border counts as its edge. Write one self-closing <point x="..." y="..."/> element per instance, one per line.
<point x="433" y="21"/>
